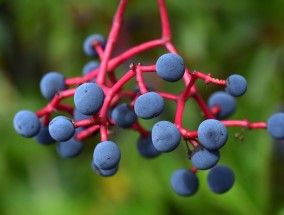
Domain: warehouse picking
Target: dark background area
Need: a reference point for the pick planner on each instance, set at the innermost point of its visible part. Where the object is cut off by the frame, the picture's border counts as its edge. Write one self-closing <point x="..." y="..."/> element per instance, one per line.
<point x="218" y="37"/>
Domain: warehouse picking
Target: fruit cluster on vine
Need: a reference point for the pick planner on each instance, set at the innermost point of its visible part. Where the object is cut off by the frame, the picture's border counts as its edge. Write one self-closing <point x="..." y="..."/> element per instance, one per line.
<point x="99" y="105"/>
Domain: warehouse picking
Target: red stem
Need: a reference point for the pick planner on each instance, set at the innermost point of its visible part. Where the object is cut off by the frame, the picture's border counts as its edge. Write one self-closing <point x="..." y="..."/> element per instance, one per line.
<point x="208" y="79"/>
<point x="245" y="123"/>
<point x="112" y="39"/>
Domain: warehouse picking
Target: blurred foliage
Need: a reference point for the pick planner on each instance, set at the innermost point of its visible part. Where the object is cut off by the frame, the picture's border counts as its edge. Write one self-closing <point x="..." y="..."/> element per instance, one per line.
<point x="218" y="37"/>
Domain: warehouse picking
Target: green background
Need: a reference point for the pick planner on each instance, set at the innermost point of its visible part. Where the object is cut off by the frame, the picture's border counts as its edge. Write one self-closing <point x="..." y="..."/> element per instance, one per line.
<point x="218" y="37"/>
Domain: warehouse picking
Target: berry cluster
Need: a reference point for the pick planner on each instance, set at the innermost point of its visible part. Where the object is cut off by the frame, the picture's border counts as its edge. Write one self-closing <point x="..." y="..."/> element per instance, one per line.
<point x="100" y="104"/>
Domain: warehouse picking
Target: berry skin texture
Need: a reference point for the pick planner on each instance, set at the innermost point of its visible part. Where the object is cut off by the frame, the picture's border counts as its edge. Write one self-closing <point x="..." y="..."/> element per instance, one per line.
<point x="26" y="123"/>
<point x="212" y="134"/>
<point x="220" y="179"/>
<point x="225" y="102"/>
<point x="149" y="105"/>
<point x="123" y="116"/>
<point x="203" y="158"/>
<point x="70" y="148"/>
<point x="61" y="128"/>
<point x="106" y="155"/>
<point x="184" y="182"/>
<point x="43" y="137"/>
<point x="165" y="136"/>
<point x="51" y="83"/>
<point x="146" y="148"/>
<point x="236" y="85"/>
<point x="170" y="67"/>
<point x="275" y="125"/>
<point x="103" y="172"/>
<point x="88" y="45"/>
<point x="89" y="98"/>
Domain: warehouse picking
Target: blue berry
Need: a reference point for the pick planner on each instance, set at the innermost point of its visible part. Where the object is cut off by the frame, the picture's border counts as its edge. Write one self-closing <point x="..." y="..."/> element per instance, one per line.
<point x="170" y="67"/>
<point x="203" y="158"/>
<point x="106" y="155"/>
<point x="123" y="116"/>
<point x="89" y="98"/>
<point x="220" y="179"/>
<point x="149" y="105"/>
<point x="184" y="182"/>
<point x="165" y="136"/>
<point x="146" y="148"/>
<point x="43" y="137"/>
<point x="275" y="125"/>
<point x="51" y="83"/>
<point x="104" y="172"/>
<point x="61" y="128"/>
<point x="70" y="148"/>
<point x="224" y="101"/>
<point x="236" y="85"/>
<point x="90" y="66"/>
<point x="212" y="134"/>
<point x="77" y="115"/>
<point x="26" y="123"/>
<point x="88" y="45"/>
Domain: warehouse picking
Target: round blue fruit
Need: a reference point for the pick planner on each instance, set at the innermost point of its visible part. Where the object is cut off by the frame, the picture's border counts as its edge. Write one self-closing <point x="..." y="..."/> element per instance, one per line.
<point x="212" y="134"/>
<point x="165" y="136"/>
<point x="149" y="105"/>
<point x="225" y="102"/>
<point x="275" y="125"/>
<point x="77" y="115"/>
<point x="123" y="116"/>
<point x="236" y="85"/>
<point x="61" y="128"/>
<point x="43" y="137"/>
<point x="146" y="148"/>
<point x="70" y="148"/>
<point x="104" y="172"/>
<point x="88" y="45"/>
<point x="184" y="182"/>
<point x="220" y="179"/>
<point x="170" y="67"/>
<point x="203" y="158"/>
<point x="26" y="123"/>
<point x="52" y="83"/>
<point x="90" y="66"/>
<point x="89" y="98"/>
<point x="106" y="155"/>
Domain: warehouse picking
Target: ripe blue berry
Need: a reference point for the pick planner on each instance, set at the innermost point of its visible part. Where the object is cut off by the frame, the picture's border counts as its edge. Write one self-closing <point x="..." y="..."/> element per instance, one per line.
<point x="149" y="105"/>
<point x="184" y="182"/>
<point x="51" y="83"/>
<point x="275" y="125"/>
<point x="89" y="98"/>
<point x="88" y="45"/>
<point x="203" y="158"/>
<point x="224" y="101"/>
<point x="220" y="179"/>
<point x="236" y="85"/>
<point x="77" y="115"/>
<point x="90" y="66"/>
<point x="170" y="67"/>
<point x="104" y="172"/>
<point x="106" y="155"/>
<point x="165" y="136"/>
<point x="61" y="128"/>
<point x="146" y="148"/>
<point x="43" y="137"/>
<point x="70" y="148"/>
<point x="212" y="134"/>
<point x="123" y="116"/>
<point x="26" y="123"/>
